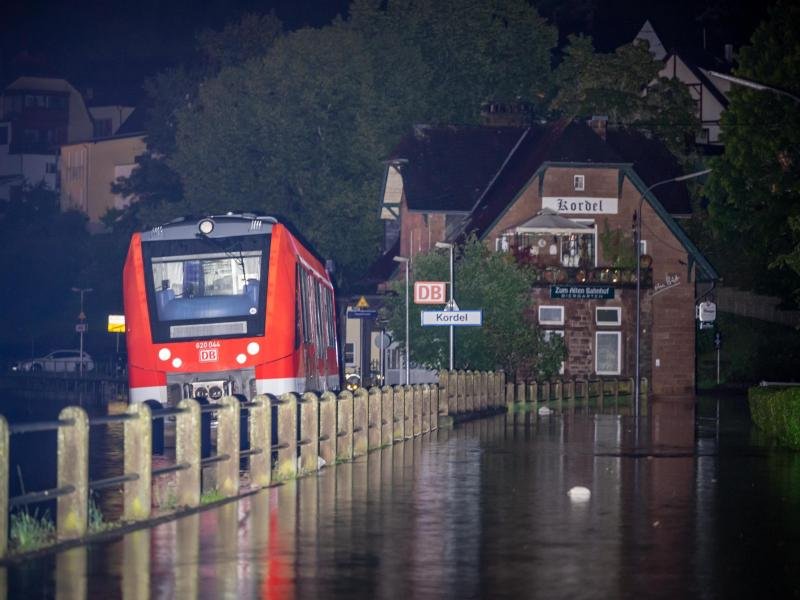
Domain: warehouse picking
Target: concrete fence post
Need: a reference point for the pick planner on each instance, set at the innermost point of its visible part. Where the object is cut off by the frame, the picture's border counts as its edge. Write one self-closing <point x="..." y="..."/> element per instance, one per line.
<point x="374" y="409"/>
<point x="426" y="409"/>
<point x="187" y="451"/>
<point x="73" y="469"/>
<point x="533" y="395"/>
<point x="417" y="409"/>
<point x="327" y="427"/>
<point x="228" y="425"/>
<point x="387" y="415"/>
<point x="344" y="426"/>
<point x="470" y="388"/>
<point x="408" y="411"/>
<point x="484" y="390"/>
<point x="461" y="393"/>
<point x="360" y="399"/>
<point x="286" y="467"/>
<point x="433" y="415"/>
<point x="398" y="413"/>
<point x="521" y="398"/>
<point x="4" y="483"/>
<point x="260" y="430"/>
<point x="569" y="392"/>
<point x="138" y="458"/>
<point x="444" y="385"/>
<point x="445" y="388"/>
<point x="510" y="396"/>
<point x="546" y="392"/>
<point x="309" y="432"/>
<point x="559" y="394"/>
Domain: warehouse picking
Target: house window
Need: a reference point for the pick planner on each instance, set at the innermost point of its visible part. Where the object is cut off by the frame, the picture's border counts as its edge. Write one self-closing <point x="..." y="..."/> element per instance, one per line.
<point x="606" y="316"/>
<point x="608" y="346"/>
<point x="579" y="182"/>
<point x="548" y="335"/>
<point x="551" y="315"/>
<point x="349" y="353"/>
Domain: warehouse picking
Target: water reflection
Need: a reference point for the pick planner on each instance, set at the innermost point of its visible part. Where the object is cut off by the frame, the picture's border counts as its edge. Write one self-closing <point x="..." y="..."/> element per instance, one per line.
<point x="479" y="511"/>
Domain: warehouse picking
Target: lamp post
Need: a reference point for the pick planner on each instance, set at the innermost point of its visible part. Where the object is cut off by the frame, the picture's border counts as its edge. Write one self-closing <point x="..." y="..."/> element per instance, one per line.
<point x="755" y="85"/>
<point x="82" y="318"/>
<point x="452" y="301"/>
<point x="638" y="336"/>
<point x="405" y="261"/>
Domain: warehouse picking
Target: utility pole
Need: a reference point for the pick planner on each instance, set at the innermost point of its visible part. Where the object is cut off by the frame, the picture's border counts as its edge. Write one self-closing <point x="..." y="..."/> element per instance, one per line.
<point x="81" y="327"/>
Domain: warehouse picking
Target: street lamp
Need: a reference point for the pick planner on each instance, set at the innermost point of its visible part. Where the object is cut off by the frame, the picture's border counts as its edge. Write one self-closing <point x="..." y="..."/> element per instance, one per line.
<point x="82" y="318"/>
<point x="450" y="305"/>
<point x="638" y="217"/>
<point x="753" y="85"/>
<point x="404" y="260"/>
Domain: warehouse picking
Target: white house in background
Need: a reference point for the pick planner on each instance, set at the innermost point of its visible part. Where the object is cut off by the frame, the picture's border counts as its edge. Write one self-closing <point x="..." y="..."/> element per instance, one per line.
<point x="709" y="92"/>
<point x="37" y="114"/>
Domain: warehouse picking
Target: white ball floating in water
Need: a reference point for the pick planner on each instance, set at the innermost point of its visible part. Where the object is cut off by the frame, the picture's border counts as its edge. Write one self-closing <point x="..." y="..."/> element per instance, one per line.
<point x="579" y="493"/>
<point x="544" y="411"/>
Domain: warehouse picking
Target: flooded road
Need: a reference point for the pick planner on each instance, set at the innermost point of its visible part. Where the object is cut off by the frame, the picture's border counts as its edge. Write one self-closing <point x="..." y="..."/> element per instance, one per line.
<point x="481" y="511"/>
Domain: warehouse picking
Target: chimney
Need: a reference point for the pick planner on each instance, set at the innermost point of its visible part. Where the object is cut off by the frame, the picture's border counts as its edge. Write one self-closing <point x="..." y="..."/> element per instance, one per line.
<point x="599" y="124"/>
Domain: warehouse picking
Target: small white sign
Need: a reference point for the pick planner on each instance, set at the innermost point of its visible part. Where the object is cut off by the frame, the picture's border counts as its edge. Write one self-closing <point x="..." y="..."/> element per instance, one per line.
<point x="472" y="318"/>
<point x="430" y="292"/>
<point x="707" y="312"/>
<point x="581" y="205"/>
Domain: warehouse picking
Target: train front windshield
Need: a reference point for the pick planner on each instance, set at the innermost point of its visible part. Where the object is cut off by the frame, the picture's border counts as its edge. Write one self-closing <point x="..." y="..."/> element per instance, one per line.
<point x="195" y="290"/>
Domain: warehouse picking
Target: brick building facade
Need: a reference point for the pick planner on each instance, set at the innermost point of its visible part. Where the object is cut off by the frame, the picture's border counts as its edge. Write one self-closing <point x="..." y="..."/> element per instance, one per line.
<point x="565" y="199"/>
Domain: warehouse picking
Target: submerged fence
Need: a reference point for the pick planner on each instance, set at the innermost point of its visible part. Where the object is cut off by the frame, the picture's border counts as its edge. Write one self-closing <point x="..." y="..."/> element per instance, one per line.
<point x="309" y="430"/>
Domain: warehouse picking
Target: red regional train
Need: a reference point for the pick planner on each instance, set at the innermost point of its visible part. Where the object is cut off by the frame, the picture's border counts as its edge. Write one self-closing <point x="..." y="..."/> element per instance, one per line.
<point x="227" y="305"/>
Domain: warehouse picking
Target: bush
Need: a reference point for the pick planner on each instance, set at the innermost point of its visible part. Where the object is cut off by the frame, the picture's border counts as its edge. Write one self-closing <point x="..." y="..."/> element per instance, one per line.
<point x="777" y="413"/>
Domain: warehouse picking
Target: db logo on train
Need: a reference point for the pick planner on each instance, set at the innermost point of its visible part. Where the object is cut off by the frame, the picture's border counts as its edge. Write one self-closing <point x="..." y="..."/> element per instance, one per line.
<point x="209" y="355"/>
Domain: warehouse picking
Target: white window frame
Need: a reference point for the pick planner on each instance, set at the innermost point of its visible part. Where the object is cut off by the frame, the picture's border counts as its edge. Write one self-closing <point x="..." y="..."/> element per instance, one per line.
<point x="643" y="247"/>
<point x="616" y="322"/>
<point x="549" y="333"/>
<point x="559" y="321"/>
<point x="618" y="335"/>
<point x="579" y="182"/>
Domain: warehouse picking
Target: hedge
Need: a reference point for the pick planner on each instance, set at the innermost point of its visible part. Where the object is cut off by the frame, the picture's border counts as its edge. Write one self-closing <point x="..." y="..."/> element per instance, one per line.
<point x="777" y="413"/>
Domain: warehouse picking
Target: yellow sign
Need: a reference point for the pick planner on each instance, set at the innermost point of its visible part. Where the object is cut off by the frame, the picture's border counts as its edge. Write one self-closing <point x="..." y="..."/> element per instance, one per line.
<point x="362" y="303"/>
<point x="116" y="323"/>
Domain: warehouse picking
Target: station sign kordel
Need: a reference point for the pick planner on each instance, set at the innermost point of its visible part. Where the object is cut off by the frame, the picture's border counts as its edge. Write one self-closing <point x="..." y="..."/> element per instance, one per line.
<point x="582" y="292"/>
<point x="472" y="318"/>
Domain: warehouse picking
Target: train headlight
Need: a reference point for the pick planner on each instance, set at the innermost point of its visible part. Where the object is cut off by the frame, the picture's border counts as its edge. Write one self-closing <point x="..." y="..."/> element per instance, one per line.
<point x="253" y="348"/>
<point x="215" y="392"/>
<point x="177" y="362"/>
<point x="206" y="226"/>
<point x="164" y="354"/>
<point x="241" y="358"/>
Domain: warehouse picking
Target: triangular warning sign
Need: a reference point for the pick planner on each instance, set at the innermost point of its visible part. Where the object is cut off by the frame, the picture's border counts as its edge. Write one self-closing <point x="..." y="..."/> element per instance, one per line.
<point x="362" y="303"/>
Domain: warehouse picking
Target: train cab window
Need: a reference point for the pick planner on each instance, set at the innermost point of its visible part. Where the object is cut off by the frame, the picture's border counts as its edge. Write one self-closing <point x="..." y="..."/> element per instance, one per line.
<point x="199" y="288"/>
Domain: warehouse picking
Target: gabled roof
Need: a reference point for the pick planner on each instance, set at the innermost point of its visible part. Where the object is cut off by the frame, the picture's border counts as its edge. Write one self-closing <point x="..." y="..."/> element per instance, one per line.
<point x="445" y="169"/>
<point x="702" y="78"/>
<point x="643" y="160"/>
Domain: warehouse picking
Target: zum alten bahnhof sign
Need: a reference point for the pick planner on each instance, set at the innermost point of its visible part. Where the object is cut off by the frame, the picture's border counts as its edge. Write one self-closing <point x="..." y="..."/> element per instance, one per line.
<point x="582" y="292"/>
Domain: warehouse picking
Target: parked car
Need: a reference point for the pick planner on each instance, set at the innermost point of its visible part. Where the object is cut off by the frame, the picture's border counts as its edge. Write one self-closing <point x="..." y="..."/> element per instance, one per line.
<point x="58" y="361"/>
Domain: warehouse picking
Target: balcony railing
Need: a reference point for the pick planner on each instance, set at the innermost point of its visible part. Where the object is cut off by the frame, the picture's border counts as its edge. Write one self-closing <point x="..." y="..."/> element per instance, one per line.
<point x="547" y="271"/>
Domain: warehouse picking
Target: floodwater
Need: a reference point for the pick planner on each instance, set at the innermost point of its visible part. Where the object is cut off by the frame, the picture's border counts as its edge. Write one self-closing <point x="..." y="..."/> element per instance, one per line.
<point x="481" y="511"/>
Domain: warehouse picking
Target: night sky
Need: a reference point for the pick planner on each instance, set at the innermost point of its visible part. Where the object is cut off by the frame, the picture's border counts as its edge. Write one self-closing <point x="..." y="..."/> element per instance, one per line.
<point x="121" y="42"/>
